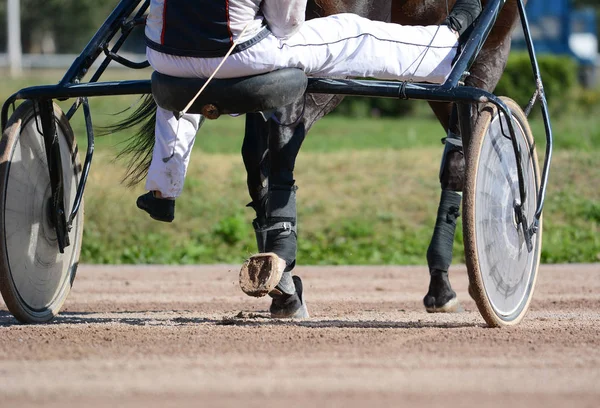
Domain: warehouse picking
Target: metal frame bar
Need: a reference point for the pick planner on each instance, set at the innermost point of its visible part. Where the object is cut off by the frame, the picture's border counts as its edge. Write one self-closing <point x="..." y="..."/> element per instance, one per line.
<point x="451" y="91"/>
<point x="88" y="161"/>
<point x="53" y="158"/>
<point x="539" y="95"/>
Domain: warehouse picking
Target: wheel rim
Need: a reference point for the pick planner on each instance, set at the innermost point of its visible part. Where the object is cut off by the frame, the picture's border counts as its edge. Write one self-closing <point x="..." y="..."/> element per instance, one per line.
<point x="507" y="268"/>
<point x="39" y="272"/>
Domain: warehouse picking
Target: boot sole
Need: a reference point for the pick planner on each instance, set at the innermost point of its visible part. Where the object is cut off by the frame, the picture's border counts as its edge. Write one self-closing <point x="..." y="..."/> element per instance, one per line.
<point x="261" y="273"/>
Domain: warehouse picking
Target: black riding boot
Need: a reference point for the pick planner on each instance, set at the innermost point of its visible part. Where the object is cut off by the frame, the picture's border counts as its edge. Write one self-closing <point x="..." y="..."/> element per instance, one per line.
<point x="463" y="14"/>
<point x="160" y="209"/>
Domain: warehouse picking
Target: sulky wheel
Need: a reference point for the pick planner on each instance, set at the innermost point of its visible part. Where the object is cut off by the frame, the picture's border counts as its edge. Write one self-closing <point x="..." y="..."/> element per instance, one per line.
<point x="502" y="272"/>
<point x="35" y="278"/>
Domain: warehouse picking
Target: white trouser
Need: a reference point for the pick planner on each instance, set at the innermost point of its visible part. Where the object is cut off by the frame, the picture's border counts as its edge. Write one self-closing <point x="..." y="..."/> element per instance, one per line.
<point x="343" y="45"/>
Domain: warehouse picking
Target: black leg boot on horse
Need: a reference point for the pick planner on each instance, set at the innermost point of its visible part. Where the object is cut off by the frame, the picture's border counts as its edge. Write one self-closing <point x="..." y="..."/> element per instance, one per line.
<point x="270" y="271"/>
<point x="440" y="297"/>
<point x="271" y="186"/>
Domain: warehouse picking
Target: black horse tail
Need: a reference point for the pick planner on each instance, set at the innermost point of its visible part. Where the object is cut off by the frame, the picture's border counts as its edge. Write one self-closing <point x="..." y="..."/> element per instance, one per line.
<point x="138" y="148"/>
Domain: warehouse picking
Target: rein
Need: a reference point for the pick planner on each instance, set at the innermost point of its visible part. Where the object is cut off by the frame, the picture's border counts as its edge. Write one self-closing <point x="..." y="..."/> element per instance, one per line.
<point x="235" y="43"/>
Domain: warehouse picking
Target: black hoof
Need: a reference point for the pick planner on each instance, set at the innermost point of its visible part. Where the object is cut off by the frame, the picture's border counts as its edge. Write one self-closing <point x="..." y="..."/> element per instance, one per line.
<point x="441" y="298"/>
<point x="286" y="306"/>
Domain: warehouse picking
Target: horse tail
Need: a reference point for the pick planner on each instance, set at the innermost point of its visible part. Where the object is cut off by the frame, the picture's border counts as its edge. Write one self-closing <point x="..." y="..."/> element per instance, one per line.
<point x="138" y="148"/>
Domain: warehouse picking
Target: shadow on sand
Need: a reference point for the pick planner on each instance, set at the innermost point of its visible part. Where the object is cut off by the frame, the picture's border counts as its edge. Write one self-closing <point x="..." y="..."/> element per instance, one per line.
<point x="242" y="319"/>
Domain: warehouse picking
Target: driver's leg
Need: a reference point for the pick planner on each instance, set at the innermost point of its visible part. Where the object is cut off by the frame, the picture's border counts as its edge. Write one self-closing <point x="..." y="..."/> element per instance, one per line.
<point x="174" y="139"/>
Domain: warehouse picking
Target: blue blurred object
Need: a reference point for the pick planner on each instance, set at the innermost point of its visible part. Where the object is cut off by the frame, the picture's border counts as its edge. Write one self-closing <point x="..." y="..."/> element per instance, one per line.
<point x="558" y="28"/>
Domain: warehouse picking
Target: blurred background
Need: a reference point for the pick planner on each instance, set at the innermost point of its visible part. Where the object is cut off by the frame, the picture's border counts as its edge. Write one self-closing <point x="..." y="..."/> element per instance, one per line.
<point x="368" y="173"/>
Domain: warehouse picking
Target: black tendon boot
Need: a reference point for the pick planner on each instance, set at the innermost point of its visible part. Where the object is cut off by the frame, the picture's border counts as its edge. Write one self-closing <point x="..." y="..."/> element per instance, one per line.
<point x="285" y="305"/>
<point x="440" y="297"/>
<point x="263" y="271"/>
<point x="276" y="239"/>
<point x="463" y="14"/>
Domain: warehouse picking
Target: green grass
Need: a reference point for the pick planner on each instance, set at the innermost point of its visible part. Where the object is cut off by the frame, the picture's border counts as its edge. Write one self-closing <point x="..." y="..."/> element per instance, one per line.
<point x="368" y="193"/>
<point x="355" y="207"/>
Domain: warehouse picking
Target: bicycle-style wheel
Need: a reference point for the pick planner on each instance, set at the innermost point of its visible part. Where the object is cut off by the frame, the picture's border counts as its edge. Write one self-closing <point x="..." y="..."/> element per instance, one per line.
<point x="35" y="278"/>
<point x="502" y="272"/>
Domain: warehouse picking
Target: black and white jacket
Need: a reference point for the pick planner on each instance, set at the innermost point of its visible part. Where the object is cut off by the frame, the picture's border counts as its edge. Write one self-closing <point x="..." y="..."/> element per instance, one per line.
<point x="208" y="28"/>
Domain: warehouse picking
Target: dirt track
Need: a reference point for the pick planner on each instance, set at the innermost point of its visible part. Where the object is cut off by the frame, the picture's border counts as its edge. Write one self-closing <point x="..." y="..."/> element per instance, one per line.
<point x="173" y="336"/>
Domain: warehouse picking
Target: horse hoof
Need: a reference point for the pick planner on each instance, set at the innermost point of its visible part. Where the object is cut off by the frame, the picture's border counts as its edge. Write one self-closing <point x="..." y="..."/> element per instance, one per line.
<point x="451" y="306"/>
<point x="261" y="273"/>
<point x="441" y="298"/>
<point x="290" y="306"/>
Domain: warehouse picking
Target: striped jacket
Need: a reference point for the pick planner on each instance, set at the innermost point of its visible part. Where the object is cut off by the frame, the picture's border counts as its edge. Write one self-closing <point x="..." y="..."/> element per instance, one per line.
<point x="208" y="28"/>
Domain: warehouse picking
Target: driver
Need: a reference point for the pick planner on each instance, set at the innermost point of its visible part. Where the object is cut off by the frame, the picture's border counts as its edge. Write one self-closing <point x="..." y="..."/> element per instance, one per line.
<point x="189" y="39"/>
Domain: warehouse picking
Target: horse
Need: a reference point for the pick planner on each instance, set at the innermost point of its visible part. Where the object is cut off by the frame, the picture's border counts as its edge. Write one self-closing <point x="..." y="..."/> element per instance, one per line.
<point x="270" y="148"/>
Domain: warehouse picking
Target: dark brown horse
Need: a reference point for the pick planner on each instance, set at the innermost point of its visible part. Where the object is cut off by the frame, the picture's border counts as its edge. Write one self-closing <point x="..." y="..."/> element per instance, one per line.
<point x="283" y="142"/>
<point x="270" y="148"/>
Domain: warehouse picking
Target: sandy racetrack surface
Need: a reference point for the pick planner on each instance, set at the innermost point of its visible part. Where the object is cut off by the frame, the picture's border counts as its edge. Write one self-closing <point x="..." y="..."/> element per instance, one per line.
<point x="173" y="336"/>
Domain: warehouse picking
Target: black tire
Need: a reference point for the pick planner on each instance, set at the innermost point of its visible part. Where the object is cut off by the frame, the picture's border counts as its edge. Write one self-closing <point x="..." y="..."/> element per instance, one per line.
<point x="502" y="272"/>
<point x="35" y="278"/>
